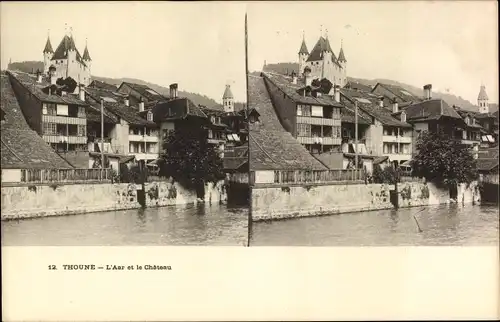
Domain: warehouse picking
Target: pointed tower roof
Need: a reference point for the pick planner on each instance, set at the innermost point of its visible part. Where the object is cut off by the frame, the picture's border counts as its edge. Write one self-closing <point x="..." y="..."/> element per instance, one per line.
<point x="86" y="55"/>
<point x="67" y="43"/>
<point x="341" y="54"/>
<point x="227" y="92"/>
<point x="303" y="47"/>
<point x="482" y="93"/>
<point x="48" y="47"/>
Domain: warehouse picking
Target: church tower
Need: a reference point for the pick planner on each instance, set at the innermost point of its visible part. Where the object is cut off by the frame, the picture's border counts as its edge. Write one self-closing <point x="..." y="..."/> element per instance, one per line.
<point x="48" y="52"/>
<point x="303" y="54"/>
<point x="343" y="63"/>
<point x="88" y="62"/>
<point x="482" y="100"/>
<point x="228" y="100"/>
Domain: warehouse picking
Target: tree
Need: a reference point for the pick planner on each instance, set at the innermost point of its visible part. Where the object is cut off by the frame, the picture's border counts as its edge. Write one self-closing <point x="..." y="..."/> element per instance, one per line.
<point x="189" y="158"/>
<point x="444" y="159"/>
<point x="388" y="175"/>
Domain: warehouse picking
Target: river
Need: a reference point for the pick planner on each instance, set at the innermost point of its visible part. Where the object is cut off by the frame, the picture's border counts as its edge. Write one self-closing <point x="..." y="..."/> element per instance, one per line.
<point x="189" y="225"/>
<point x="443" y="225"/>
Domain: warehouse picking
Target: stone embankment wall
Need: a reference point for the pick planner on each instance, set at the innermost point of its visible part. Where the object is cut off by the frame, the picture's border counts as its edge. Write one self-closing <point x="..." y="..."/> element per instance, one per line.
<point x="273" y="201"/>
<point x="31" y="201"/>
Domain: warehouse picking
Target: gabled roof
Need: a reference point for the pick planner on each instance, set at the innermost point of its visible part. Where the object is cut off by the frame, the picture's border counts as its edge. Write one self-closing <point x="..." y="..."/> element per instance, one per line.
<point x="66" y="44"/>
<point x="30" y="83"/>
<point x="48" y="47"/>
<point x="21" y="147"/>
<point x="303" y="48"/>
<point x="317" y="52"/>
<point x="103" y="85"/>
<point x="432" y="109"/>
<point x="183" y="104"/>
<point x="145" y="91"/>
<point x="86" y="55"/>
<point x="358" y="86"/>
<point x="482" y="93"/>
<point x="227" y="92"/>
<point x="368" y="103"/>
<point x="398" y="92"/>
<point x="342" y="56"/>
<point x="273" y="148"/>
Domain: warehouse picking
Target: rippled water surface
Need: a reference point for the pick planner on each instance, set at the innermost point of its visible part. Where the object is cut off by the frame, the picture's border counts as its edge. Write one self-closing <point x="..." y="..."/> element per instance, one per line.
<point x="180" y="225"/>
<point x="445" y="225"/>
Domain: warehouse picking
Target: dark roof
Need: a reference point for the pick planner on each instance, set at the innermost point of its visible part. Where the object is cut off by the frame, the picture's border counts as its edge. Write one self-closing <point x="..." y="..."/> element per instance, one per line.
<point x="342" y="56"/>
<point x="303" y="48"/>
<point x="349" y="116"/>
<point x="432" y="109"/>
<point x="482" y="93"/>
<point x="285" y="84"/>
<point x="21" y="147"/>
<point x="118" y="108"/>
<point x="368" y="103"/>
<point x="121" y="157"/>
<point x="317" y="52"/>
<point x="145" y="91"/>
<point x="227" y="92"/>
<point x="399" y="92"/>
<point x="487" y="158"/>
<point x="86" y="55"/>
<point x="48" y="47"/>
<point x="236" y="157"/>
<point x="29" y="82"/>
<point x="273" y="148"/>
<point x="358" y="86"/>
<point x="183" y="104"/>
<point x="66" y="44"/>
<point x="380" y="159"/>
<point x="100" y="84"/>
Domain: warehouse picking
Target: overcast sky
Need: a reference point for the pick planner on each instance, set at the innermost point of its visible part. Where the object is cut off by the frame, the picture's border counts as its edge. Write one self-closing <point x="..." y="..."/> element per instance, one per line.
<point x="452" y="45"/>
<point x="199" y="45"/>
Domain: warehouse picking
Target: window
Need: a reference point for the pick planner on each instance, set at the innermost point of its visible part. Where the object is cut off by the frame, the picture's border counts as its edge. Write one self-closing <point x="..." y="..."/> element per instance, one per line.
<point x="49" y="128"/>
<point x="305" y="110"/>
<point x="150" y="116"/>
<point x="62" y="110"/>
<point x="403" y="117"/>
<point x="44" y="109"/>
<point x="81" y="111"/>
<point x="303" y="130"/>
<point x="82" y="129"/>
<point x="317" y="111"/>
<point x="212" y="119"/>
<point x="210" y="134"/>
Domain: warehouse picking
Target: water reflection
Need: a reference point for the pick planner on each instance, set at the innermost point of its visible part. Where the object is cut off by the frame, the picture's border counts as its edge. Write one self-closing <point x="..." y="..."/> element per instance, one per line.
<point x="448" y="225"/>
<point x="180" y="225"/>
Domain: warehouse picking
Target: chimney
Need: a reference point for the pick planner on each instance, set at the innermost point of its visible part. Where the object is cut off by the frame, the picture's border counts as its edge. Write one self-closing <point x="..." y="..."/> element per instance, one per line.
<point x="395" y="107"/>
<point x="82" y="93"/>
<point x="52" y="75"/>
<point x="173" y="90"/>
<point x="381" y="102"/>
<point x="294" y="78"/>
<point x="337" y="93"/>
<point x="38" y="76"/>
<point x="63" y="93"/>
<point x="307" y="76"/>
<point x="141" y="105"/>
<point x="127" y="101"/>
<point x="428" y="91"/>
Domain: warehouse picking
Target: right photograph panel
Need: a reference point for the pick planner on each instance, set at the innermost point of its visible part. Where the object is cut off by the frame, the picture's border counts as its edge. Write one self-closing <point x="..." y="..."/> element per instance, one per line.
<point x="373" y="124"/>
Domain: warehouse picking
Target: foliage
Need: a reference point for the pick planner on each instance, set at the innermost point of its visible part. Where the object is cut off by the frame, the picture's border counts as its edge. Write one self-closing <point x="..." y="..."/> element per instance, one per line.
<point x="387" y="175"/>
<point x="444" y="159"/>
<point x="137" y="175"/>
<point x="97" y="162"/>
<point x="124" y="173"/>
<point x="190" y="159"/>
<point x="324" y="84"/>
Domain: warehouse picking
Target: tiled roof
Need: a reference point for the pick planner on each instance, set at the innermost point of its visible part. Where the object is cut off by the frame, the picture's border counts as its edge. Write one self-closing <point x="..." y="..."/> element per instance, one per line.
<point x="99" y="84"/>
<point x="145" y="91"/>
<point x="21" y="147"/>
<point x="180" y="104"/>
<point x="487" y="158"/>
<point x="342" y="56"/>
<point x="86" y="55"/>
<point x="317" y="52"/>
<point x="432" y="109"/>
<point x="368" y="103"/>
<point x="303" y="48"/>
<point x="48" y="47"/>
<point x="29" y="82"/>
<point x="399" y="92"/>
<point x="67" y="43"/>
<point x="227" y="92"/>
<point x="271" y="147"/>
<point x="482" y="93"/>
<point x="349" y="115"/>
<point x="285" y="84"/>
<point x="117" y="108"/>
<point x="358" y="86"/>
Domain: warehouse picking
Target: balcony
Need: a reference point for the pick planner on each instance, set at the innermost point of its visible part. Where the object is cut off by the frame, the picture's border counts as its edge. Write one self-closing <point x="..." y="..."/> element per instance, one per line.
<point x="63" y="120"/>
<point x="142" y="138"/>
<point x="314" y="140"/>
<point x="470" y="142"/>
<point x="318" y="121"/>
<point x="145" y="156"/>
<point x="65" y="139"/>
<point x="396" y="139"/>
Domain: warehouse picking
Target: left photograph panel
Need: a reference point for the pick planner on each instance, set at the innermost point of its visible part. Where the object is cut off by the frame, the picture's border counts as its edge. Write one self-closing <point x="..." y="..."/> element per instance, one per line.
<point x="128" y="128"/>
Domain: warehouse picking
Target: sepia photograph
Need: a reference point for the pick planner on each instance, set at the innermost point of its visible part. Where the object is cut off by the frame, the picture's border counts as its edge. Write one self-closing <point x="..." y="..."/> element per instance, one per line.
<point x="377" y="124"/>
<point x="129" y="131"/>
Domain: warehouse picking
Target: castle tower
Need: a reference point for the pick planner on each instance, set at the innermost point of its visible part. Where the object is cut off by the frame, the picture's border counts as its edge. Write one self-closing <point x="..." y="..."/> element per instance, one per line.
<point x="228" y="100"/>
<point x="343" y="63"/>
<point x="303" y="54"/>
<point x="483" y="100"/>
<point x="48" y="52"/>
<point x="327" y="55"/>
<point x="88" y="62"/>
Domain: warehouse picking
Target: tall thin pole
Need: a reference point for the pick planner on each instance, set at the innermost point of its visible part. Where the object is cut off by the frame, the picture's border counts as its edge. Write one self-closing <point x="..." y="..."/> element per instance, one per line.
<point x="356" y="139"/>
<point x="248" y="140"/>
<point x="102" y="133"/>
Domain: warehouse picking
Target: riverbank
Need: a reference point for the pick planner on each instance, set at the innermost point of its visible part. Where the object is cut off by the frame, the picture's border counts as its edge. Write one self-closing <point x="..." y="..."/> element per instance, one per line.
<point x="43" y="200"/>
<point x="280" y="201"/>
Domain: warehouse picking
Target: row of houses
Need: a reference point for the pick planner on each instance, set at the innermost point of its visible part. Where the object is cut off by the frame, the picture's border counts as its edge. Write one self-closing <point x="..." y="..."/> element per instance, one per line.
<point x="320" y="116"/>
<point x="68" y="117"/>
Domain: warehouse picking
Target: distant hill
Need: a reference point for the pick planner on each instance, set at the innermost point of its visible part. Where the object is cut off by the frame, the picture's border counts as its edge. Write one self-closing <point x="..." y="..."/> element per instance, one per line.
<point x="33" y="66"/>
<point x="284" y="68"/>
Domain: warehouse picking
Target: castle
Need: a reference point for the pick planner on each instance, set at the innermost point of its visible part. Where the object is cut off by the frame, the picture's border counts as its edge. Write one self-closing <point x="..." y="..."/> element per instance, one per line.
<point x="483" y="100"/>
<point x="323" y="62"/>
<point x="67" y="60"/>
